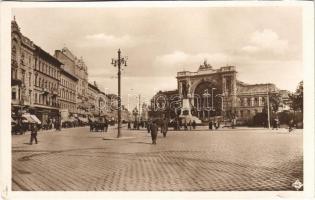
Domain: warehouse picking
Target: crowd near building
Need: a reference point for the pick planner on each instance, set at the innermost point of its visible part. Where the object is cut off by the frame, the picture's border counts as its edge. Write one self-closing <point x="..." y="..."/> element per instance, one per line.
<point x="47" y="88"/>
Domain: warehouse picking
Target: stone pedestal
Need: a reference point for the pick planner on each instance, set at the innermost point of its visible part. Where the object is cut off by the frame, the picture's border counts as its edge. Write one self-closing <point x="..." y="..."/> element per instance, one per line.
<point x="186" y="112"/>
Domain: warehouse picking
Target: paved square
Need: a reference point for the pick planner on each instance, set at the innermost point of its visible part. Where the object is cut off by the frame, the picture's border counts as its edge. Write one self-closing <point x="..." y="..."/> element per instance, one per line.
<point x="223" y="160"/>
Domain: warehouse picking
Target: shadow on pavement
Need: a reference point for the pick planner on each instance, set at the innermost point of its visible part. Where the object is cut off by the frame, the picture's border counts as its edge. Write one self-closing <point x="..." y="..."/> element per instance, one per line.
<point x="141" y="142"/>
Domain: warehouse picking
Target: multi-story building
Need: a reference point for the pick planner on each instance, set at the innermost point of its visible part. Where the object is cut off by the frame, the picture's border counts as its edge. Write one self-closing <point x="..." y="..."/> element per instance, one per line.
<point x="46" y="85"/>
<point x="212" y="92"/>
<point x="22" y="74"/>
<point x="82" y="87"/>
<point x="68" y="82"/>
<point x="67" y="92"/>
<point x="77" y="68"/>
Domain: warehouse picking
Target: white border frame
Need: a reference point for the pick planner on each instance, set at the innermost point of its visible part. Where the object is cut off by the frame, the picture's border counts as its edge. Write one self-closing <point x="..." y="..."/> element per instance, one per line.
<point x="5" y="105"/>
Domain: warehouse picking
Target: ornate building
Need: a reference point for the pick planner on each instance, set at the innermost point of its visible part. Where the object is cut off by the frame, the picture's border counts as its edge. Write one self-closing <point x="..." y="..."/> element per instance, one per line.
<point x="211" y="92"/>
<point x="22" y="64"/>
<point x="35" y="77"/>
<point x="46" y="85"/>
<point x="77" y="68"/>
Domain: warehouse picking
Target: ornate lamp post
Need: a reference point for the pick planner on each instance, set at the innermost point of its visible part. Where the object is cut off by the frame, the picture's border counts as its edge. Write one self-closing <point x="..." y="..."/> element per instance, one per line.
<point x="206" y="96"/>
<point x="118" y="62"/>
<point x="221" y="96"/>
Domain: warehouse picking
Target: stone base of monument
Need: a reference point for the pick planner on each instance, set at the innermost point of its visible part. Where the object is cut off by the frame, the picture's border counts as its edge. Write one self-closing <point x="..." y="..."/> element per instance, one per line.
<point x="186" y="113"/>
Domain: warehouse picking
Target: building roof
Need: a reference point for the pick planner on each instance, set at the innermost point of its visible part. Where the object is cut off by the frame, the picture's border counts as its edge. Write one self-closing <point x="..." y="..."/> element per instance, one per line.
<point x="73" y="77"/>
<point x="42" y="53"/>
<point x="93" y="87"/>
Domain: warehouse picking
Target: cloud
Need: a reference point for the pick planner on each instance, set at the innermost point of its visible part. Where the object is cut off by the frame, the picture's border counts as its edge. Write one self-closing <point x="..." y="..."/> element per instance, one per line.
<point x="181" y="59"/>
<point x="266" y="42"/>
<point x="108" y="40"/>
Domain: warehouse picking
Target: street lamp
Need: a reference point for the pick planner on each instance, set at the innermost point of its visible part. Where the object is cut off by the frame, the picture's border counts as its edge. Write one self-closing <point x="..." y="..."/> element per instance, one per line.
<point x="212" y="97"/>
<point x="206" y="95"/>
<point x="118" y="62"/>
<point x="221" y="96"/>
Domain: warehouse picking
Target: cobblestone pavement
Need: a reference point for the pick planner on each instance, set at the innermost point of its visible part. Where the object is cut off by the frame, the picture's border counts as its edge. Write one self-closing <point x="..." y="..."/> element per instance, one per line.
<point x="222" y="160"/>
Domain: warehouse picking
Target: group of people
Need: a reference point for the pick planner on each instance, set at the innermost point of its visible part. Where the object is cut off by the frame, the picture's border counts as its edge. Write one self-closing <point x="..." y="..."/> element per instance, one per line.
<point x="214" y="125"/>
<point x="136" y="125"/>
<point x="179" y="124"/>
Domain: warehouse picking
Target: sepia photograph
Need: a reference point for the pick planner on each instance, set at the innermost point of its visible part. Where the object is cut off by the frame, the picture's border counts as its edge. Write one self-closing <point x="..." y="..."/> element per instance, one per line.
<point x="152" y="98"/>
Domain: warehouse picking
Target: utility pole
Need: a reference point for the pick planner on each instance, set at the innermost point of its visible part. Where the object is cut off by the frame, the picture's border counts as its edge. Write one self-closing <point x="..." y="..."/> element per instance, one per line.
<point x="118" y="62"/>
<point x="139" y="107"/>
<point x="268" y="107"/>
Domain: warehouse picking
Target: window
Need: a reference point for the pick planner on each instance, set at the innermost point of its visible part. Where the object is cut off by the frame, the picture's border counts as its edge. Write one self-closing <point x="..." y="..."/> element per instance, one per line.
<point x="22" y="58"/>
<point x="13" y="94"/>
<point x="30" y="79"/>
<point x="14" y="73"/>
<point x="23" y="76"/>
<point x="256" y="101"/>
<point x="242" y="113"/>
<point x="36" y="79"/>
<point x="36" y="98"/>
<point x="14" y="52"/>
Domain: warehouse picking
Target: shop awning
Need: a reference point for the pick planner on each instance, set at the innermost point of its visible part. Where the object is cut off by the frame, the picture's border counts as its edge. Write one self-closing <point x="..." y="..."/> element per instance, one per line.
<point x="36" y="119"/>
<point x="28" y="119"/>
<point x="13" y="121"/>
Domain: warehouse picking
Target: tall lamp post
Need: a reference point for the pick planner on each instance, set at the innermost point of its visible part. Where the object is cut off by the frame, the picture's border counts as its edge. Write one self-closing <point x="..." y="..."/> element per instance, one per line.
<point x="212" y="98"/>
<point x="221" y="96"/>
<point x="118" y="62"/>
<point x="268" y="107"/>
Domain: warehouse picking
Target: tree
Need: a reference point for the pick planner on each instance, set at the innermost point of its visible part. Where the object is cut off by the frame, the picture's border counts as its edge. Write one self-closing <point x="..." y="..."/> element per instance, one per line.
<point x="297" y="98"/>
<point x="274" y="101"/>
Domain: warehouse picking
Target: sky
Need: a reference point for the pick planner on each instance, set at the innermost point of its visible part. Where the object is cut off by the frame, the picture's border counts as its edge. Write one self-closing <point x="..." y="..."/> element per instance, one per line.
<point x="264" y="43"/>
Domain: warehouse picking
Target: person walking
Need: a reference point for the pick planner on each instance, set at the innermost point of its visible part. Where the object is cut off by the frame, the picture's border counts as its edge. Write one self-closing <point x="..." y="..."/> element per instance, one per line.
<point x="154" y="131"/>
<point x="185" y="125"/>
<point x="189" y="125"/>
<point x="165" y="127"/>
<point x="210" y="125"/>
<point x="291" y="124"/>
<point x="129" y="125"/>
<point x="194" y="124"/>
<point x="33" y="134"/>
<point x="148" y="126"/>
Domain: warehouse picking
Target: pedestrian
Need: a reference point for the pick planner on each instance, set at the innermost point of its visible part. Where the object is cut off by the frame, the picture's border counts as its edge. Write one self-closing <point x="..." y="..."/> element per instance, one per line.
<point x="185" y="125"/>
<point x="165" y="127"/>
<point x="106" y="125"/>
<point x="154" y="131"/>
<point x="189" y="124"/>
<point x="149" y="126"/>
<point x="129" y="125"/>
<point x="194" y="124"/>
<point x="33" y="134"/>
<point x="278" y="123"/>
<point x="210" y="125"/>
<point x="291" y="124"/>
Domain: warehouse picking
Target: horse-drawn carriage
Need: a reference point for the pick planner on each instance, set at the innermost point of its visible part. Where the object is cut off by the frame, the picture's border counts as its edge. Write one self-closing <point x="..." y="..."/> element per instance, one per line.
<point x="98" y="124"/>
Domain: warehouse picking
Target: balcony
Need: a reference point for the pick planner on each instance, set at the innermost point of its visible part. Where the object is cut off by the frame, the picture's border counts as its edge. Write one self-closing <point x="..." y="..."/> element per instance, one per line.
<point x="45" y="91"/>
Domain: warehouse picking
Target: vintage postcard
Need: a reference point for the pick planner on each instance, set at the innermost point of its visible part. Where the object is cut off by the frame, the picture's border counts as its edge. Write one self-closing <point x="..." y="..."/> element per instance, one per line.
<point x="187" y="100"/>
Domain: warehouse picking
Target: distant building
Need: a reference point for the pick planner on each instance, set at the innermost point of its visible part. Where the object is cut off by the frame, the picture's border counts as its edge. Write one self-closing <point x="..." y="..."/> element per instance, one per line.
<point x="68" y="92"/>
<point x="213" y="92"/>
<point x="77" y="68"/>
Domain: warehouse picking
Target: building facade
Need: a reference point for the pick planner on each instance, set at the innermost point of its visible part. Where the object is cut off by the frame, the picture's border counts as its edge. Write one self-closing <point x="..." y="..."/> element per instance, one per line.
<point x="77" y="68"/>
<point x="22" y="73"/>
<point x="210" y="92"/>
<point x="68" y="92"/>
<point x="46" y="85"/>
